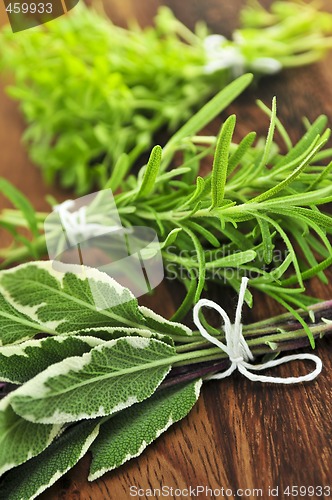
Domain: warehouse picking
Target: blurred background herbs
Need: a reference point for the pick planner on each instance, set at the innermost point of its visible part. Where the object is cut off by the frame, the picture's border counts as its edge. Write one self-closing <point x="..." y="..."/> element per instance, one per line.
<point x="94" y="94"/>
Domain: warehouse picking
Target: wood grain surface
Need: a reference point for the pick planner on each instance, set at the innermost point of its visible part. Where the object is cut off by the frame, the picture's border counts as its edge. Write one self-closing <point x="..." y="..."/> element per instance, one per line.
<point x="240" y="434"/>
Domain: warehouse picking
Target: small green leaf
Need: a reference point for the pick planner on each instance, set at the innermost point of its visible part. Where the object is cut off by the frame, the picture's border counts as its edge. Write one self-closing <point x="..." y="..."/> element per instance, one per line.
<point x="220" y="162"/>
<point x="150" y="173"/>
<point x="267" y="241"/>
<point x="235" y="259"/>
<point x="119" y="172"/>
<point x="316" y="129"/>
<point x="269" y="139"/>
<point x="290" y="178"/>
<point x="171" y="237"/>
<point x="210" y="237"/>
<point x="21" y="203"/>
<point x="241" y="150"/>
<point x="281" y="129"/>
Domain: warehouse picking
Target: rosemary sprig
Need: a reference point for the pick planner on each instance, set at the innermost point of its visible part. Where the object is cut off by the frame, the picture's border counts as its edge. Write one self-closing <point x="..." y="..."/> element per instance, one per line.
<point x="268" y="223"/>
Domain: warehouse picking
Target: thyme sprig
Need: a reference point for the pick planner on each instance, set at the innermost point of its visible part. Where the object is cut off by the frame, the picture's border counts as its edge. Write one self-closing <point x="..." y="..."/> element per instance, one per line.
<point x="93" y="94"/>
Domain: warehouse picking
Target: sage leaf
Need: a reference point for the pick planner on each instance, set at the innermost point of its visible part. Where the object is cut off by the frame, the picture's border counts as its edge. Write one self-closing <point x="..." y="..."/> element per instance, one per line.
<point x="111" y="333"/>
<point x="14" y="325"/>
<point x="126" y="435"/>
<point x="41" y="299"/>
<point x="20" y="440"/>
<point x="164" y="326"/>
<point x="39" y="473"/>
<point x="111" y="377"/>
<point x="64" y="302"/>
<point x="20" y="363"/>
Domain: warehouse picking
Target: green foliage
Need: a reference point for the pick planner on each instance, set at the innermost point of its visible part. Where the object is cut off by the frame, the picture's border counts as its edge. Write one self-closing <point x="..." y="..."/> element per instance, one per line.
<point x="94" y="94"/>
<point x="259" y="213"/>
<point x="80" y="391"/>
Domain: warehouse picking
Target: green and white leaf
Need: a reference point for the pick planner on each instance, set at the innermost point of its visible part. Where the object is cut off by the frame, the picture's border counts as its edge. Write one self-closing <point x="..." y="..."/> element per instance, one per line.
<point x="162" y="325"/>
<point x="111" y="333"/>
<point x="63" y="302"/>
<point x="20" y="440"/>
<point x="110" y="378"/>
<point x="126" y="435"/>
<point x="20" y="363"/>
<point x="39" y="473"/>
<point x="14" y="325"/>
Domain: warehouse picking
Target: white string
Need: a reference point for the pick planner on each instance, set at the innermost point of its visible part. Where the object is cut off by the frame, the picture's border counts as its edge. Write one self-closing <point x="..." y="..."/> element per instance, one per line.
<point x="221" y="55"/>
<point x="238" y="350"/>
<point x="75" y="223"/>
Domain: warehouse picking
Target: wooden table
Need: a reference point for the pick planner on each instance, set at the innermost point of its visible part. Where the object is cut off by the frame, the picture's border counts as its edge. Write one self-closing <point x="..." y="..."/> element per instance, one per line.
<point x="240" y="434"/>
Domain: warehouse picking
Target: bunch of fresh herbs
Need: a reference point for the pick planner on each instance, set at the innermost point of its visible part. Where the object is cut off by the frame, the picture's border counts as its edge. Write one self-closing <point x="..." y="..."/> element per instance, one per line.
<point x="94" y="95"/>
<point x="107" y="381"/>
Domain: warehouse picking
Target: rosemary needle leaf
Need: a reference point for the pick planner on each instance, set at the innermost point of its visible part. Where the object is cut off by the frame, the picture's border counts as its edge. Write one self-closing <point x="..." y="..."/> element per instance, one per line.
<point x="220" y="162"/>
<point x="212" y="109"/>
<point x="150" y="173"/>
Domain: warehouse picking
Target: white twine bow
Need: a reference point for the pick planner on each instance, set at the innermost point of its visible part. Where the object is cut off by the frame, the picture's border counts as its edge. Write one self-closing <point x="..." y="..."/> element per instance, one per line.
<point x="75" y="223"/>
<point x="238" y="350"/>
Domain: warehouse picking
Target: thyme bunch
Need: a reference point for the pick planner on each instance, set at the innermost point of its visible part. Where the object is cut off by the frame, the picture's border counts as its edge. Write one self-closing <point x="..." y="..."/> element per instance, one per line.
<point x="93" y="94"/>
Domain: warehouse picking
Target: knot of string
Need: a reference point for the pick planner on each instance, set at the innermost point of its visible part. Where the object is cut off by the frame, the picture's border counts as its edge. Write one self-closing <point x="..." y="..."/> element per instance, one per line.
<point x="238" y="351"/>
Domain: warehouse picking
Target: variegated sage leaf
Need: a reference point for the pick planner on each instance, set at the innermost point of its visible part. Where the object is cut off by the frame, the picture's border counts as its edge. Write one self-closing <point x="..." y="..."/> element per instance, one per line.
<point x="39" y="473"/>
<point x="63" y="302"/>
<point x="110" y="333"/>
<point x="20" y="440"/>
<point x="111" y="377"/>
<point x="14" y="325"/>
<point x="126" y="435"/>
<point x="20" y="363"/>
<point x="156" y="322"/>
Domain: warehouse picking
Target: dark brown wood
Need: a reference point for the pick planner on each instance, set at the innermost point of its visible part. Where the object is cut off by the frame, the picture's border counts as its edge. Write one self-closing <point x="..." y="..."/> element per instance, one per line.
<point x="240" y="434"/>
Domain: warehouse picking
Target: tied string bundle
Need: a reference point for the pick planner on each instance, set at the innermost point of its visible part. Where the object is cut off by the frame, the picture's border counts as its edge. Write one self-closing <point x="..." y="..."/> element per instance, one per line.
<point x="238" y="351"/>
